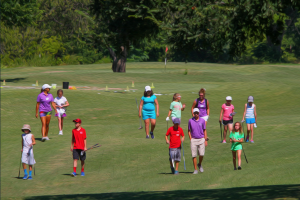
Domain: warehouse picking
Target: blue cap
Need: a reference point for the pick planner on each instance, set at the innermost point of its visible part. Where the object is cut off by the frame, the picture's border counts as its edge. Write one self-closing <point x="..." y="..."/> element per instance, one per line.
<point x="176" y="121"/>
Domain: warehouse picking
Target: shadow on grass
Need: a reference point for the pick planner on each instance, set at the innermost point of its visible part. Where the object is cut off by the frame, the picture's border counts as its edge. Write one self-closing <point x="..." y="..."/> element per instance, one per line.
<point x="257" y="192"/>
<point x="13" y="80"/>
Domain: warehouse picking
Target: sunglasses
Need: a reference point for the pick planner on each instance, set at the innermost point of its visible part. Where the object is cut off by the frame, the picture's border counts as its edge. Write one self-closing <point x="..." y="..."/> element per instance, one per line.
<point x="196" y="113"/>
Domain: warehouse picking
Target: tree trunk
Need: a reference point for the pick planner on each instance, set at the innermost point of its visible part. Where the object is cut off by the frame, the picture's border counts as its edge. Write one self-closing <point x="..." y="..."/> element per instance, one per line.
<point x="119" y="64"/>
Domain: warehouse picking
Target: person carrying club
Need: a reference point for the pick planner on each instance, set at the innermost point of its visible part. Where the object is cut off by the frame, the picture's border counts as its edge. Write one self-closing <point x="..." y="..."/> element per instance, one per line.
<point x="43" y="108"/>
<point x="175" y="108"/>
<point x="251" y="120"/>
<point x="61" y="104"/>
<point x="227" y="111"/>
<point x="198" y="137"/>
<point x="147" y="109"/>
<point x="27" y="151"/>
<point x="175" y="145"/>
<point x="236" y="138"/>
<point x="78" y="146"/>
<point x="203" y="105"/>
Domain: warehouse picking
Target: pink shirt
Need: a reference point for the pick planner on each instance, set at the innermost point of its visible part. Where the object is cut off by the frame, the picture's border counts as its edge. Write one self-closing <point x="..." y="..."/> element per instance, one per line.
<point x="227" y="110"/>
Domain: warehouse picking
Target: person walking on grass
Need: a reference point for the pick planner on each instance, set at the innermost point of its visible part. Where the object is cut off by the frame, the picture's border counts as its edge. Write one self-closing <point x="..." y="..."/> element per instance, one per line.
<point x="175" y="108"/>
<point x="27" y="151"/>
<point x="175" y="145"/>
<point x="61" y="104"/>
<point x="251" y="120"/>
<point x="227" y="111"/>
<point x="147" y="109"/>
<point x="236" y="138"/>
<point x="78" y="146"/>
<point x="203" y="105"/>
<point x="43" y="108"/>
<point x="198" y="137"/>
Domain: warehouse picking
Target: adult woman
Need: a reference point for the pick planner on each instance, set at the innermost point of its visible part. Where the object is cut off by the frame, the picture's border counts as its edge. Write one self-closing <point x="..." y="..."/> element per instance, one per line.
<point x="203" y="105"/>
<point x="43" y="109"/>
<point x="148" y="108"/>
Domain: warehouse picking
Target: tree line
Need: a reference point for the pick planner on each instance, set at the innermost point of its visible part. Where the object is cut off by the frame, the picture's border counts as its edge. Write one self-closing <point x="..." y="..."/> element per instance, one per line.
<point x="57" y="32"/>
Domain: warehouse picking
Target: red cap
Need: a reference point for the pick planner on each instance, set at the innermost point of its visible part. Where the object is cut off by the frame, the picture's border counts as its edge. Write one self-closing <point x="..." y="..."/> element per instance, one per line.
<point x="77" y="120"/>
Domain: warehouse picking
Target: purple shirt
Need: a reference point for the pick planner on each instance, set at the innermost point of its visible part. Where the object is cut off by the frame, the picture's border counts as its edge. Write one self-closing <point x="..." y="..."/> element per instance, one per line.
<point x="197" y="128"/>
<point x="45" y="101"/>
<point x="202" y="108"/>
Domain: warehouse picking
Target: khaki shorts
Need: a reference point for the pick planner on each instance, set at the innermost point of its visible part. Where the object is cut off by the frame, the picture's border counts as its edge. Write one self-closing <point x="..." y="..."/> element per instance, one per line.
<point x="197" y="145"/>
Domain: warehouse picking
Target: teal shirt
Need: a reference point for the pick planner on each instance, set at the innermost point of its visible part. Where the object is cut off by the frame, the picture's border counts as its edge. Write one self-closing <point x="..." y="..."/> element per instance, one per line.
<point x="149" y="103"/>
<point x="176" y="109"/>
<point x="236" y="145"/>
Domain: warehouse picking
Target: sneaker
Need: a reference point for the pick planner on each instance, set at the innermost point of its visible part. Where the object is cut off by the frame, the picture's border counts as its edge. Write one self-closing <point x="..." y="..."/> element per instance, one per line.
<point x="46" y="138"/>
<point x="82" y="174"/>
<point x="176" y="173"/>
<point x="195" y="171"/>
<point x="25" y="177"/>
<point x="43" y="139"/>
<point x="152" y="135"/>
<point x="30" y="178"/>
<point x="200" y="167"/>
<point x="239" y="168"/>
<point x="73" y="174"/>
<point x="235" y="168"/>
<point x="147" y="137"/>
<point x="224" y="141"/>
<point x="60" y="133"/>
<point x="252" y="141"/>
<point x="173" y="170"/>
<point x="247" y="139"/>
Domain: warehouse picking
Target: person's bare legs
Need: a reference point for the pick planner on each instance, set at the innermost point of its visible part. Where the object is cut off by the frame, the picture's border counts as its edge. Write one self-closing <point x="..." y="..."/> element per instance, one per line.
<point x="153" y="123"/>
<point x="225" y="131"/>
<point x="48" y="118"/>
<point x="82" y="164"/>
<point x="200" y="159"/>
<point x="234" y="159"/>
<point x="239" y="153"/>
<point x="205" y="129"/>
<point x="230" y="127"/>
<point x="43" y="120"/>
<point x="59" y="123"/>
<point x="251" y="127"/>
<point x="176" y="165"/>
<point x="248" y="129"/>
<point x="62" y="123"/>
<point x="195" y="163"/>
<point x="75" y="163"/>
<point x="147" y="121"/>
<point x="24" y="166"/>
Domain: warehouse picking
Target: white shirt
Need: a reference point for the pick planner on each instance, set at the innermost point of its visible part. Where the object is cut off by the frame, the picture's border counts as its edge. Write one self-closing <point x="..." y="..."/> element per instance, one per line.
<point x="60" y="102"/>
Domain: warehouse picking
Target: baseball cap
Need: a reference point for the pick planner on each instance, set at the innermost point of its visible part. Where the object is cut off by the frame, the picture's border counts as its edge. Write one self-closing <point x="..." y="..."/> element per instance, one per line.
<point x="147" y="88"/>
<point x="250" y="99"/>
<point x="46" y="86"/>
<point x="26" y="127"/>
<point x="176" y="121"/>
<point x="196" y="110"/>
<point x="77" y="120"/>
<point x="228" y="98"/>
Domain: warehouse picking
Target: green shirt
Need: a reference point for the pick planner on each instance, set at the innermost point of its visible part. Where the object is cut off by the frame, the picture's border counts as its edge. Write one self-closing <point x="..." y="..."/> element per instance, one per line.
<point x="176" y="109"/>
<point x="236" y="145"/>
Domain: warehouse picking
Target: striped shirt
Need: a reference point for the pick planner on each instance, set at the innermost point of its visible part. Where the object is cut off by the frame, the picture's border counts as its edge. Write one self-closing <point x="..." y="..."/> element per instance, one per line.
<point x="250" y="111"/>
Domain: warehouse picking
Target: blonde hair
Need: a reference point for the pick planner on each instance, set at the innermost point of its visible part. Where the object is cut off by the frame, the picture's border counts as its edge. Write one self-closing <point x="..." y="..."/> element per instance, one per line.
<point x="202" y="90"/>
<point x="175" y="96"/>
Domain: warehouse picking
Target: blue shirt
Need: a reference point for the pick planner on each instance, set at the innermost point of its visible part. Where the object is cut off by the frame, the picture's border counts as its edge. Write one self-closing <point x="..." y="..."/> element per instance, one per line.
<point x="197" y="128"/>
<point x="149" y="103"/>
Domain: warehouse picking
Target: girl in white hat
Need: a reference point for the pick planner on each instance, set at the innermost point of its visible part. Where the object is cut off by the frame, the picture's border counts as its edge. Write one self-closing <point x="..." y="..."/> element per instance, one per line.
<point x="227" y="111"/>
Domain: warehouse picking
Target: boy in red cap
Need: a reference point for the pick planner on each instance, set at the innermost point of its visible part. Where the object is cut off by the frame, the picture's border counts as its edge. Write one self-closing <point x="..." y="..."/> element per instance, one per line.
<point x="78" y="146"/>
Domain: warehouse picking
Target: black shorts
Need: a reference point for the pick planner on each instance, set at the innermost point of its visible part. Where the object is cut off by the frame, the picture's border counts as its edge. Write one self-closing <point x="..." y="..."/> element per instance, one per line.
<point x="77" y="154"/>
<point x="226" y="122"/>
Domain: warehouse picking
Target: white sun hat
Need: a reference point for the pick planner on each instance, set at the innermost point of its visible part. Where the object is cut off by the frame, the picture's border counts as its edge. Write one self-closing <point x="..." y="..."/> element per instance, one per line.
<point x="196" y="110"/>
<point x="228" y="98"/>
<point x="46" y="86"/>
<point x="147" y="88"/>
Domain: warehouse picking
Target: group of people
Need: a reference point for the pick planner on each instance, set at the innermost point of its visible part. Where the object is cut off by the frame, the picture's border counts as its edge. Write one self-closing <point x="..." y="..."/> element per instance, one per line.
<point x="197" y="126"/>
<point x="43" y="110"/>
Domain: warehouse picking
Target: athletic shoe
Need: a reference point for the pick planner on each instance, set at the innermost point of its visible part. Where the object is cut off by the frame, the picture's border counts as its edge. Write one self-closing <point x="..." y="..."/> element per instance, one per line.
<point x="235" y="168"/>
<point x="152" y="135"/>
<point x="195" y="171"/>
<point x="25" y="177"/>
<point x="239" y="168"/>
<point x="43" y="139"/>
<point x="247" y="139"/>
<point x="47" y="138"/>
<point x="176" y="173"/>
<point x="30" y="178"/>
<point x="73" y="174"/>
<point x="173" y="170"/>
<point x="82" y="174"/>
<point x="147" y="137"/>
<point x="224" y="141"/>
<point x="60" y="133"/>
<point x="200" y="167"/>
<point x="252" y="141"/>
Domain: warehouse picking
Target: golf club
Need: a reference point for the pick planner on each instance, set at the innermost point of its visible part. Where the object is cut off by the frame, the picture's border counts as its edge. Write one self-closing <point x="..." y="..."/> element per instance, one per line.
<point x="167" y="126"/>
<point x="245" y="156"/>
<point x="94" y="146"/>
<point x="20" y="165"/>
<point x="138" y="113"/>
<point x="221" y="132"/>
<point x="183" y="156"/>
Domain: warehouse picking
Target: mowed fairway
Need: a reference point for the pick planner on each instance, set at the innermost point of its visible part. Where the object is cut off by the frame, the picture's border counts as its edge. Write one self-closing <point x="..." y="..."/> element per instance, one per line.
<point x="127" y="166"/>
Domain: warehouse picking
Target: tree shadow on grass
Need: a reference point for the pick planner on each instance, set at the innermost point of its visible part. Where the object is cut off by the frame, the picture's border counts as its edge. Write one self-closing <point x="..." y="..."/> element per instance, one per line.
<point x="243" y="193"/>
<point x="13" y="80"/>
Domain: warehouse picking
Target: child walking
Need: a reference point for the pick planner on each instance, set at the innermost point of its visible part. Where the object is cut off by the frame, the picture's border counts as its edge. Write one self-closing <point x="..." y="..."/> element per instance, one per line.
<point x="236" y="138"/>
<point x="27" y="151"/>
<point x="175" y="145"/>
<point x="78" y="146"/>
<point x="175" y="108"/>
<point x="227" y="111"/>
<point x="61" y="104"/>
<point x="250" y="113"/>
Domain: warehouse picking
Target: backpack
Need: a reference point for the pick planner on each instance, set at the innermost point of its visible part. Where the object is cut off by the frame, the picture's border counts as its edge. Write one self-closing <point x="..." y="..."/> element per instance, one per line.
<point x="198" y="99"/>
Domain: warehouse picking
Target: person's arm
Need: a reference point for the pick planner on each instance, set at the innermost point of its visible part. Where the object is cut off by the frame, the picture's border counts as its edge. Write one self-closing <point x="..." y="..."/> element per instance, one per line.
<point x="72" y="143"/>
<point x="167" y="140"/>
<point x="205" y="136"/>
<point x="182" y="139"/>
<point x="193" y="106"/>
<point x="221" y="113"/>
<point x="255" y="114"/>
<point x="157" y="107"/>
<point x="22" y="143"/>
<point x="54" y="106"/>
<point x="140" y="108"/>
<point x="66" y="104"/>
<point x="190" y="136"/>
<point x="183" y="107"/>
<point x="170" y="111"/>
<point x="208" y="110"/>
<point x="85" y="145"/>
<point x="244" y="112"/>
<point x="33" y="140"/>
<point x="37" y="109"/>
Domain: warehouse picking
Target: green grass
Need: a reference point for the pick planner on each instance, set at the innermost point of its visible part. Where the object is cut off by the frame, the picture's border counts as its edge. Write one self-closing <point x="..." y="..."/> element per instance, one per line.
<point x="128" y="166"/>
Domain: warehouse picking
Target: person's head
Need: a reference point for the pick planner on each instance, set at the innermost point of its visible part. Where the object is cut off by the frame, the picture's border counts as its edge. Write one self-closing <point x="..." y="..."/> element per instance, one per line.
<point x="60" y="93"/>
<point x="196" y="113"/>
<point x="176" y="97"/>
<point x="237" y="127"/>
<point x="46" y="88"/>
<point x="250" y="100"/>
<point x="148" y="91"/>
<point x="26" y="128"/>
<point x="77" y="122"/>
<point x="176" y="122"/>
<point x="228" y="100"/>
<point x="202" y="93"/>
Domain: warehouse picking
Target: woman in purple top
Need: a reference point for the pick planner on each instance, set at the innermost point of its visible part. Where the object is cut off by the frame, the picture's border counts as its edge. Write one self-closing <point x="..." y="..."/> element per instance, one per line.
<point x="43" y="108"/>
<point x="203" y="105"/>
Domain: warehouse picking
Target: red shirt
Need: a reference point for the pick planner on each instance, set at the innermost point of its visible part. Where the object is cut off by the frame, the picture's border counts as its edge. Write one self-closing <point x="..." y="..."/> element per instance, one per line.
<point x="78" y="137"/>
<point x="175" y="141"/>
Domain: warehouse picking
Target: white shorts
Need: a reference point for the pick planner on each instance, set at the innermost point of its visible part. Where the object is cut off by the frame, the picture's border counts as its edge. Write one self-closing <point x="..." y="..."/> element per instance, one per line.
<point x="205" y="118"/>
<point x="60" y="113"/>
<point x="28" y="158"/>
